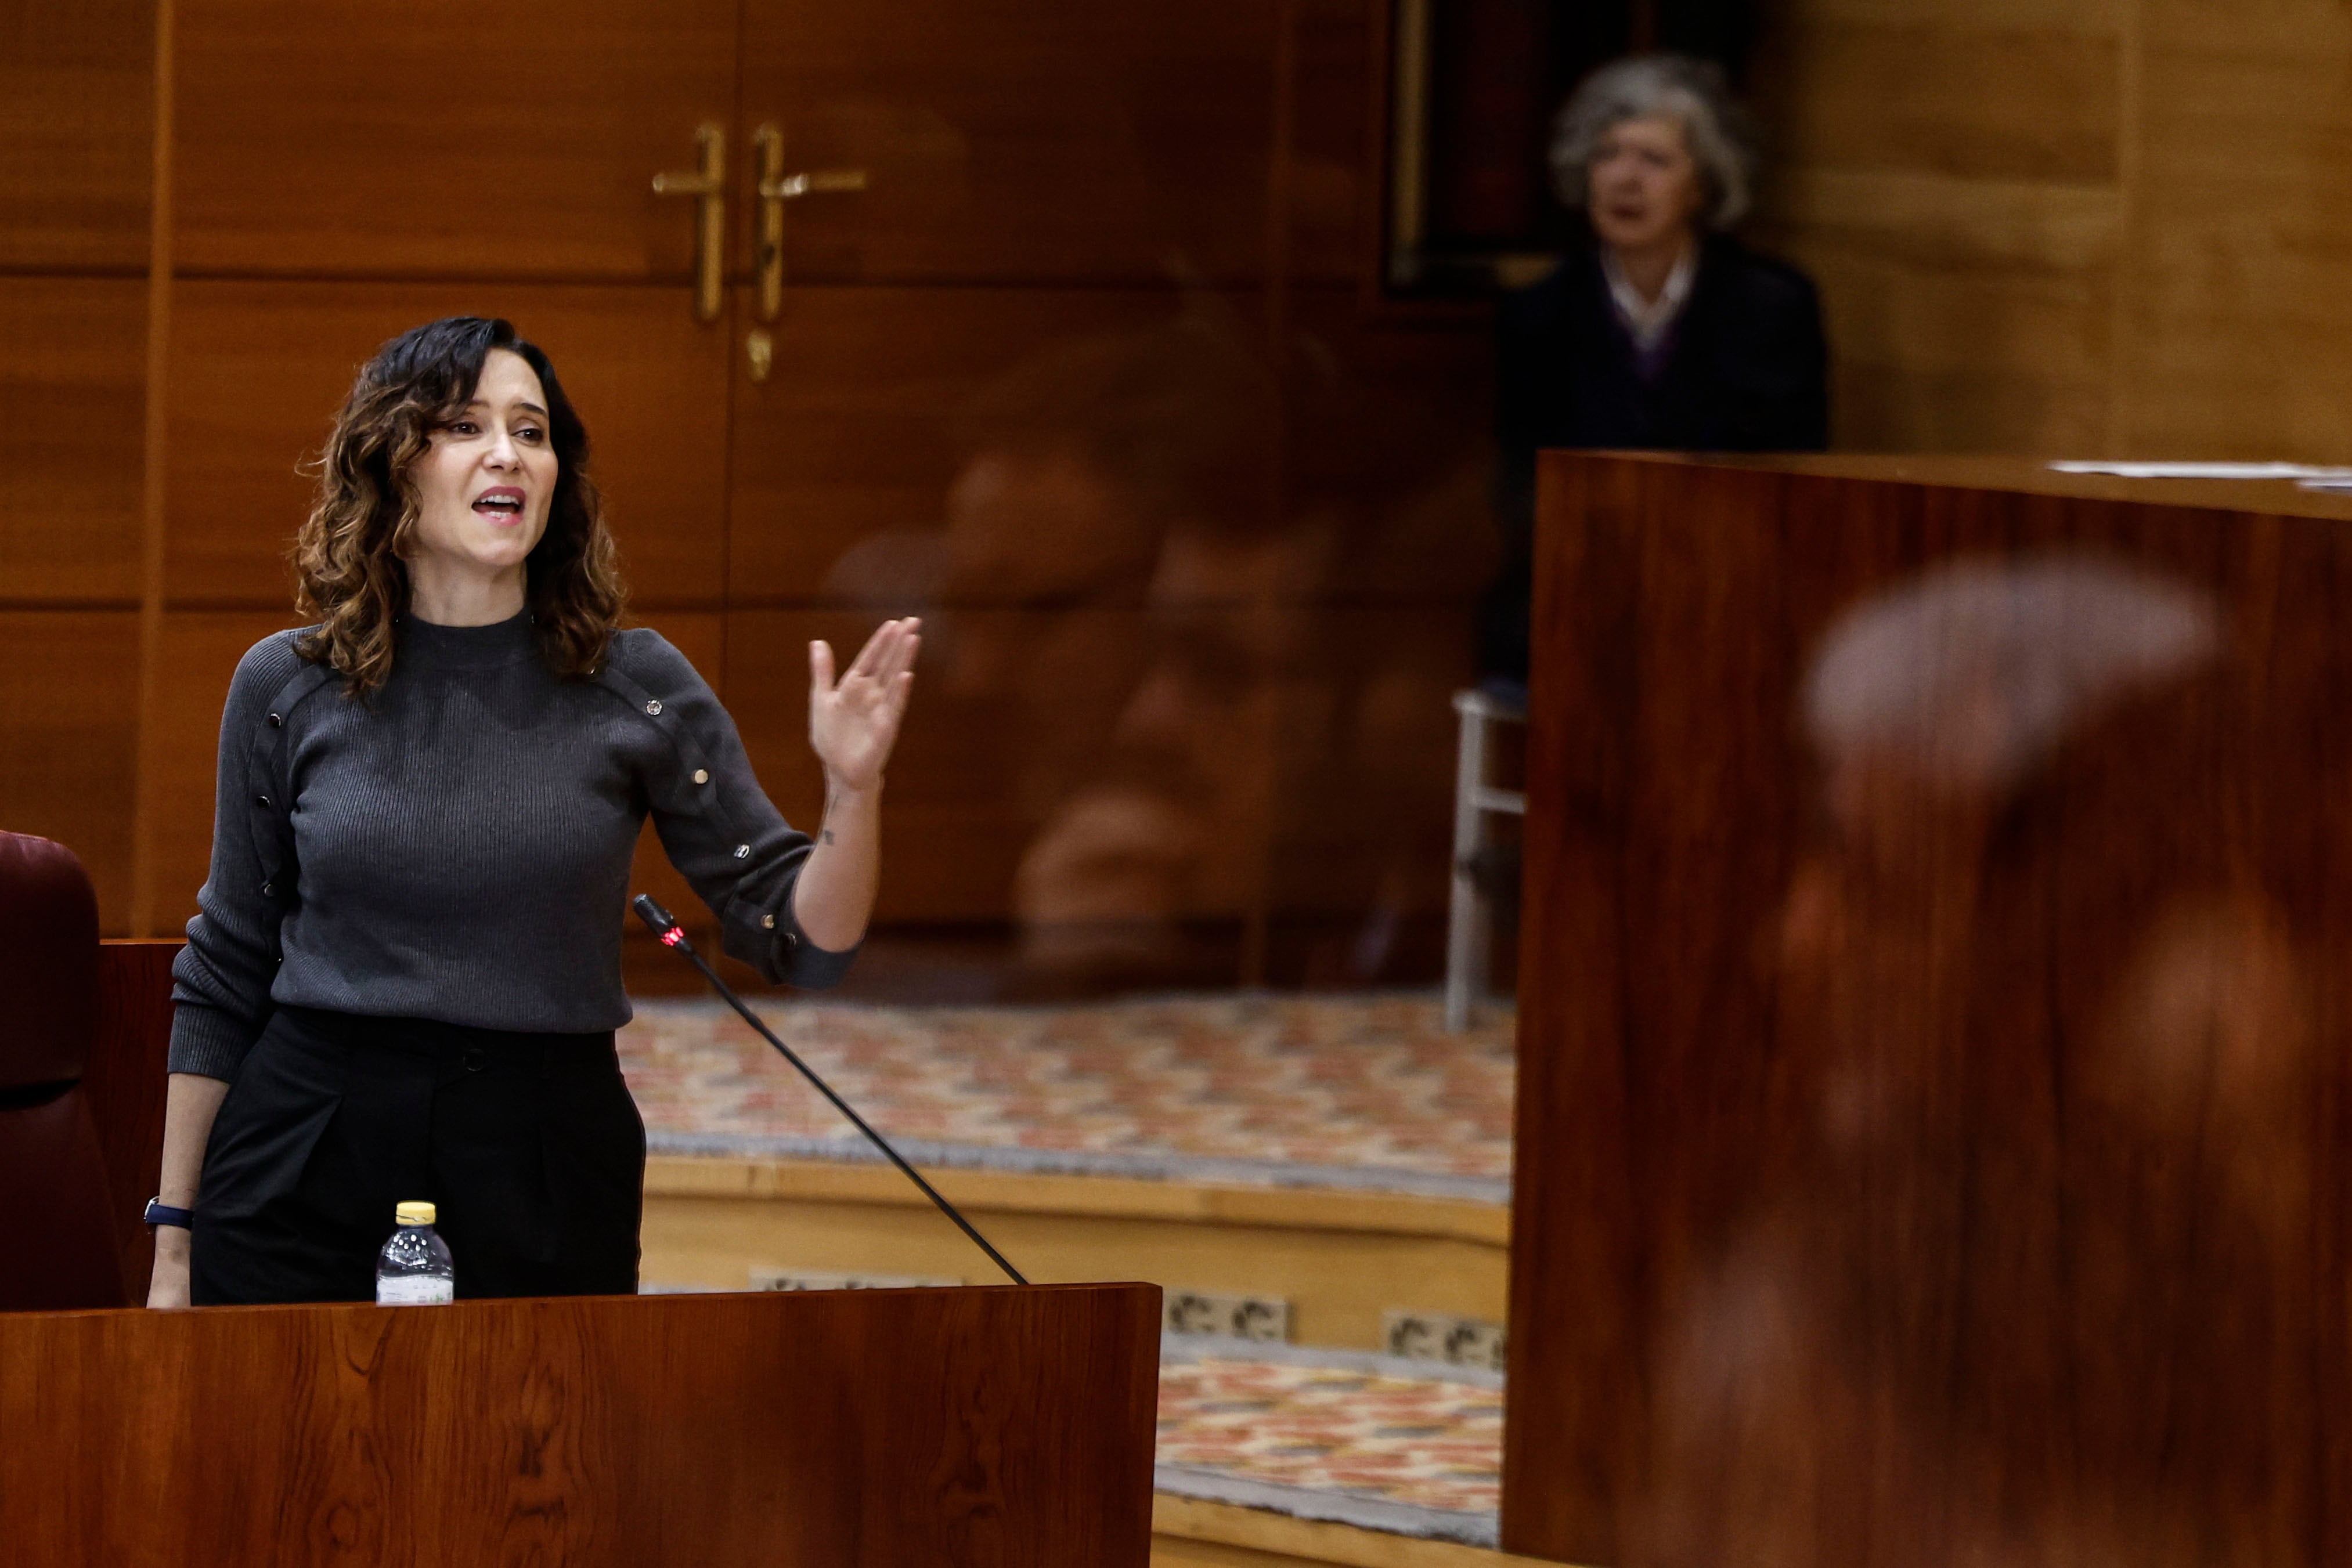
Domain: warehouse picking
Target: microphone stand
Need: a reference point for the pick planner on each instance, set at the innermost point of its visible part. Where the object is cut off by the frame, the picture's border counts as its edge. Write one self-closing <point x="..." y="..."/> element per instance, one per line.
<point x="672" y="935"/>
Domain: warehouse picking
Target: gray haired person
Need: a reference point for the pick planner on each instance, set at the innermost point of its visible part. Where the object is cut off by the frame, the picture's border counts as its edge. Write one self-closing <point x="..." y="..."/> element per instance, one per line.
<point x="1686" y="105"/>
<point x="1658" y="331"/>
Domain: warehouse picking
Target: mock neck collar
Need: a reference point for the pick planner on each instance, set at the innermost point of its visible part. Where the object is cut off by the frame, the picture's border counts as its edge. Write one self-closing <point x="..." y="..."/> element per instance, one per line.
<point x="426" y="645"/>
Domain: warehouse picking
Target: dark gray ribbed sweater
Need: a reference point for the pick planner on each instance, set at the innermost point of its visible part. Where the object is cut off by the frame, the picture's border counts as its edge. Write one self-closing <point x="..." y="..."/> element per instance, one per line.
<point x="456" y="847"/>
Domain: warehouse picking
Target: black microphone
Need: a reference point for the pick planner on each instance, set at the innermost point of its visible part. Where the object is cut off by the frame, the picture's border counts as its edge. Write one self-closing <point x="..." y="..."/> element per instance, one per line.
<point x="672" y="935"/>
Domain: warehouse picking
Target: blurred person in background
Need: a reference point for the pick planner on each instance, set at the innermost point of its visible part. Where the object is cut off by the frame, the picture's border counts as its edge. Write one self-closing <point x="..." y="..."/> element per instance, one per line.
<point x="1663" y="333"/>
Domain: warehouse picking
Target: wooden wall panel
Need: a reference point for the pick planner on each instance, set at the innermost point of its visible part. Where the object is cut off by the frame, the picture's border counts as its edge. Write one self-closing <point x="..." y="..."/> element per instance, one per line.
<point x="73" y="380"/>
<point x="876" y="426"/>
<point x="1389" y="452"/>
<point x="2241" y="312"/>
<point x="1023" y="141"/>
<point x="259" y="368"/>
<point x="2129" y="244"/>
<point x="77" y="135"/>
<point x="1968" y="242"/>
<point x="69" y="711"/>
<point x="1362" y="791"/>
<point x="433" y="163"/>
<point x="1964" y="315"/>
<point x="1903" y="90"/>
<point x="1129" y="650"/>
<point x="1331" y="198"/>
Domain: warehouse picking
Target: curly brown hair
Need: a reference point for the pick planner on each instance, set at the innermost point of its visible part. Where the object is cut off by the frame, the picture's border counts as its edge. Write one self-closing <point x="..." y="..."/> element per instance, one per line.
<point x="350" y="555"/>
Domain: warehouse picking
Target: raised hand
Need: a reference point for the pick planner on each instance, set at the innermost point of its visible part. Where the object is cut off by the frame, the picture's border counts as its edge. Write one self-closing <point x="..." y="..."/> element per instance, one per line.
<point x="853" y="723"/>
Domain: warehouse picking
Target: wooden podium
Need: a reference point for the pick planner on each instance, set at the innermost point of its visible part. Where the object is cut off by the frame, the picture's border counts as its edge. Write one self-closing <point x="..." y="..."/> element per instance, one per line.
<point x="984" y="1426"/>
<point x="1934" y="1103"/>
<point x="996" y="1427"/>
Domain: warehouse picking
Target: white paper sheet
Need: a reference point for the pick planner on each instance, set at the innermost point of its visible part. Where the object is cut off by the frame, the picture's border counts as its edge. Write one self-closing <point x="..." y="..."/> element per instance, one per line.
<point x="2300" y="471"/>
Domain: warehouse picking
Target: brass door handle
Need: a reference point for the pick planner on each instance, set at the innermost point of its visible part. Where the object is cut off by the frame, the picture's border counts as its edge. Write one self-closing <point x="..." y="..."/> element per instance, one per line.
<point x="707" y="186"/>
<point x="775" y="189"/>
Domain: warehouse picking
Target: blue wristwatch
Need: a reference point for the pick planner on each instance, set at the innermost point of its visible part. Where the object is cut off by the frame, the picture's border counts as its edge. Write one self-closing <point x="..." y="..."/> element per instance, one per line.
<point x="161" y="1213"/>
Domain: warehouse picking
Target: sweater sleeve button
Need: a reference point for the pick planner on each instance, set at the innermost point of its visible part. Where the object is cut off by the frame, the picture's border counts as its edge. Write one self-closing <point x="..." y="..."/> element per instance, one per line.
<point x="276" y="720"/>
<point x="654" y="707"/>
<point x="742" y="851"/>
<point x="262" y="801"/>
<point x="767" y="922"/>
<point x="268" y="891"/>
<point x="702" y="776"/>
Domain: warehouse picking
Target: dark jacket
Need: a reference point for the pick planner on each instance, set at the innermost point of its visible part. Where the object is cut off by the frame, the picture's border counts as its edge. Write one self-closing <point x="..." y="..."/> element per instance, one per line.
<point x="1746" y="371"/>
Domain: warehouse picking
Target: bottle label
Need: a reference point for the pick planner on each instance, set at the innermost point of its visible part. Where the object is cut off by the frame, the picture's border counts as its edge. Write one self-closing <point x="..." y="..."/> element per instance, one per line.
<point x="414" y="1291"/>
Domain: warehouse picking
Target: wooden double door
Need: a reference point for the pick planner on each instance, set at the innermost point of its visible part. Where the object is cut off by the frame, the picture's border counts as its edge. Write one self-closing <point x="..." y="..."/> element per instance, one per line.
<point x="1009" y="339"/>
<point x="1029" y="171"/>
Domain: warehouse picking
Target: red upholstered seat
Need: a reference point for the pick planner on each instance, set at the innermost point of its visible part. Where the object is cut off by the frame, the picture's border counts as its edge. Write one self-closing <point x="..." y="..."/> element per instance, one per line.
<point x="58" y="1229"/>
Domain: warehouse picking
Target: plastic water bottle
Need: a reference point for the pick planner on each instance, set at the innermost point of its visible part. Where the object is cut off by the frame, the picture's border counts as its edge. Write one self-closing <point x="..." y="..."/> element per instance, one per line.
<point x="414" y="1269"/>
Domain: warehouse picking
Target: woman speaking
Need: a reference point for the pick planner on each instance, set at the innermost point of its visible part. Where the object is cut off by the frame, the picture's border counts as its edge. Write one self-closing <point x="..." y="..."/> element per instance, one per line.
<point x="405" y="973"/>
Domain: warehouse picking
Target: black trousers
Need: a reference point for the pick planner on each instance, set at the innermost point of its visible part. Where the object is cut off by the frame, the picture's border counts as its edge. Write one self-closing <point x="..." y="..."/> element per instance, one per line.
<point x="529" y="1144"/>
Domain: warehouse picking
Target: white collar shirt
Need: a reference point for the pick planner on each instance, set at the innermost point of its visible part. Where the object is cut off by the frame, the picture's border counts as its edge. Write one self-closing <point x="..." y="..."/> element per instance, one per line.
<point x="1649" y="320"/>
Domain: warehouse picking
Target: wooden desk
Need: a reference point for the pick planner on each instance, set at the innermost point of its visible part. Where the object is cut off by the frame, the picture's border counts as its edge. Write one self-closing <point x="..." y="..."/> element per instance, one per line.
<point x="992" y="1426"/>
<point x="125" y="1080"/>
<point x="1933" y="1117"/>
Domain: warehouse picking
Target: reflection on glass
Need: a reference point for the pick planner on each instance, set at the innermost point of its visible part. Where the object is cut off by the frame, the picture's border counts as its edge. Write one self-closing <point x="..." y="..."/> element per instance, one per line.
<point x="1138" y="646"/>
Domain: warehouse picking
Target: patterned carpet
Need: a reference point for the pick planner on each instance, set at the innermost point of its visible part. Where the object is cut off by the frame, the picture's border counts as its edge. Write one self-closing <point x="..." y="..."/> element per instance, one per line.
<point x="1350" y="1091"/>
<point x="1405" y="1447"/>
<point x="1361" y="1091"/>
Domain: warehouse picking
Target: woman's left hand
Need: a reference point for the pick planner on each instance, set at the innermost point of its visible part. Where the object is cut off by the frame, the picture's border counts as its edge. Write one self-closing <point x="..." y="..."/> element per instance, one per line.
<point x="854" y="723"/>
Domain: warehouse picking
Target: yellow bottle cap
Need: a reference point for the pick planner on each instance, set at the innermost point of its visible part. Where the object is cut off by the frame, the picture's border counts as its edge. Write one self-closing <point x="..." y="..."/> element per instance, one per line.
<point x="414" y="1213"/>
